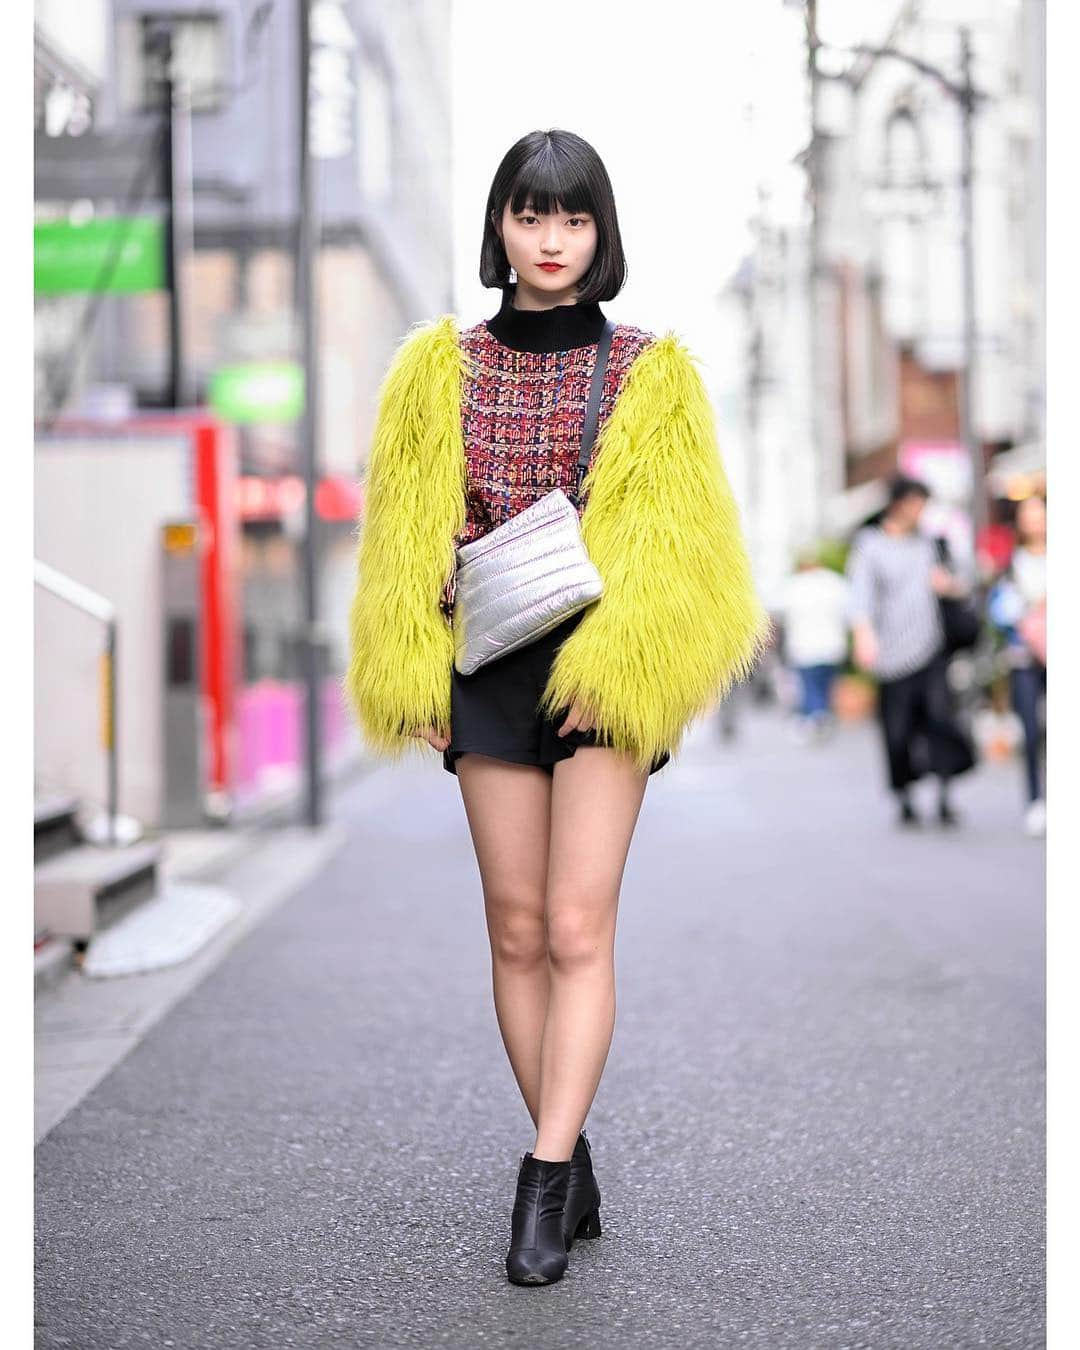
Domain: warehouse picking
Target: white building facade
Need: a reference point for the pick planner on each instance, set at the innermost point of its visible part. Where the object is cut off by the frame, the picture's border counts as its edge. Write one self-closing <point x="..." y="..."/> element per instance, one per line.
<point x="840" y="379"/>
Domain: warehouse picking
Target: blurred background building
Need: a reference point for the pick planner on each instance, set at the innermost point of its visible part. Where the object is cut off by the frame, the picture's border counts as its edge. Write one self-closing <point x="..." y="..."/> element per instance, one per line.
<point x="821" y="268"/>
<point x="852" y="308"/>
<point x="168" y="476"/>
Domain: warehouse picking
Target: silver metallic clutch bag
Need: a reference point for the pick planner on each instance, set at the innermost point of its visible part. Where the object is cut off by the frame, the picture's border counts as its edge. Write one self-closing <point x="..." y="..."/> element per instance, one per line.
<point x="520" y="581"/>
<point x="525" y="577"/>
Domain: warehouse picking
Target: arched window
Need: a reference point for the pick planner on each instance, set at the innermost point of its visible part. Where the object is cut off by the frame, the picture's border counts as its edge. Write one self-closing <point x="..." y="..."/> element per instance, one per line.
<point x="904" y="198"/>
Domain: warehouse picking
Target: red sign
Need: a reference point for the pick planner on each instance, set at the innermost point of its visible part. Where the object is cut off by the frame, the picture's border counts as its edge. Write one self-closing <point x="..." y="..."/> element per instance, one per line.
<point x="336" y="498"/>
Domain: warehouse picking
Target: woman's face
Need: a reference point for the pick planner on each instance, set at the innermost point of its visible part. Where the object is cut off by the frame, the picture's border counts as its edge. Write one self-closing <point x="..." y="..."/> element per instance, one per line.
<point x="563" y="237"/>
<point x="907" y="510"/>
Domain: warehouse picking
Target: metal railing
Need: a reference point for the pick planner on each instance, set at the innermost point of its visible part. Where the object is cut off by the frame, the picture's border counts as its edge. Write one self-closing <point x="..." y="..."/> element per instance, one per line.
<point x="89" y="602"/>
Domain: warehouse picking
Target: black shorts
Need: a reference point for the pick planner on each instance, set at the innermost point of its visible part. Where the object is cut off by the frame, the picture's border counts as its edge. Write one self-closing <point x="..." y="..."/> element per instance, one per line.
<point x="494" y="710"/>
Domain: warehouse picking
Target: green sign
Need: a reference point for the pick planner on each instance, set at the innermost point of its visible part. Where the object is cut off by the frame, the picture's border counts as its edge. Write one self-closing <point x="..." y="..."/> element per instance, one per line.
<point x="123" y="254"/>
<point x="258" y="391"/>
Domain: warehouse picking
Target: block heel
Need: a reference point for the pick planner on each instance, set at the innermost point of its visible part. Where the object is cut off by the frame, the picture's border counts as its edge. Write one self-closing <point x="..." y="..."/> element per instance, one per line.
<point x="581" y="1214"/>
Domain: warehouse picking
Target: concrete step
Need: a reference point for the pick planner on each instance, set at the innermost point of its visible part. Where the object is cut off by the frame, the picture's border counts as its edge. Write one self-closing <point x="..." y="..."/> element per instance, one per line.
<point x="80" y="890"/>
<point x="55" y="826"/>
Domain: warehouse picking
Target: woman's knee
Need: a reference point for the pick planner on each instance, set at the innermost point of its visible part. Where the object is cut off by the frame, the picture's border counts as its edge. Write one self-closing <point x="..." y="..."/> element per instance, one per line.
<point x="516" y="931"/>
<point x="579" y="935"/>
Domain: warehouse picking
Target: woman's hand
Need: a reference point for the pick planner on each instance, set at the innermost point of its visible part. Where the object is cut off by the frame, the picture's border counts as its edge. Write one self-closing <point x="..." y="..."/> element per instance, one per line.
<point x="943" y="582"/>
<point x="433" y="738"/>
<point x="577" y="719"/>
<point x="865" y="646"/>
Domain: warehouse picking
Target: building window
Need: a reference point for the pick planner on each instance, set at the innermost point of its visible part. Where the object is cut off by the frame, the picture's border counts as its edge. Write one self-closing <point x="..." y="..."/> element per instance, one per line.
<point x="198" y="59"/>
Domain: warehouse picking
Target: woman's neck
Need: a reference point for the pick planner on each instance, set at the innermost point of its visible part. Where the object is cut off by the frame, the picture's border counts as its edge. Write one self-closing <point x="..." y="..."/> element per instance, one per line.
<point x="892" y="526"/>
<point x="556" y="328"/>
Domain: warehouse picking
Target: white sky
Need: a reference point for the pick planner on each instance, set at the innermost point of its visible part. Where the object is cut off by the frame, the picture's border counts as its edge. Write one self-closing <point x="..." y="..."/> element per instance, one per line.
<point x="662" y="92"/>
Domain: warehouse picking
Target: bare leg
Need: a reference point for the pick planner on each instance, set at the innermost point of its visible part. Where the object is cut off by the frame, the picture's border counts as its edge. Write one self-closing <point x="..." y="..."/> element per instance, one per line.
<point x="595" y="801"/>
<point x="509" y="812"/>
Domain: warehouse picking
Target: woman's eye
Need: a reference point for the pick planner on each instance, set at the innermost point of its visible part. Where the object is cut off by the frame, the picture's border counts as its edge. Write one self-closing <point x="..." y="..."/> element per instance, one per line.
<point x="580" y="220"/>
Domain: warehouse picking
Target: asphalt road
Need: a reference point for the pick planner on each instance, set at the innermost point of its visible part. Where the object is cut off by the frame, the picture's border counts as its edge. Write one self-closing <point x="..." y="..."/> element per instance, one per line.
<point x="821" y="1124"/>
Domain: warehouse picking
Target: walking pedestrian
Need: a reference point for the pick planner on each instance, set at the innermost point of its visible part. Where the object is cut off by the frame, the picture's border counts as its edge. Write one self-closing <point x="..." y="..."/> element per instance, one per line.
<point x="552" y="743"/>
<point x="896" y="582"/>
<point x="1016" y="606"/>
<point x="813" y="608"/>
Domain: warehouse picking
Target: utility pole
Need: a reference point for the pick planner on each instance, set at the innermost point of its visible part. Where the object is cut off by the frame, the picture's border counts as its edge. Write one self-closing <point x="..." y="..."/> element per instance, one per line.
<point x="815" y="324"/>
<point x="968" y="98"/>
<point x="306" y="303"/>
<point x="965" y="95"/>
<point x="178" y="224"/>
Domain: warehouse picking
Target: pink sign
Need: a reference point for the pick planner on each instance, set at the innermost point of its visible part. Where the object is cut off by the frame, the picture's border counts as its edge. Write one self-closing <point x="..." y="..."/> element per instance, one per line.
<point x="944" y="466"/>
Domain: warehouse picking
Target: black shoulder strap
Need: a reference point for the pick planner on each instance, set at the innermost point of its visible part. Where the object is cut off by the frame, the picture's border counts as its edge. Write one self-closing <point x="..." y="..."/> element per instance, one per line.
<point x="592" y="410"/>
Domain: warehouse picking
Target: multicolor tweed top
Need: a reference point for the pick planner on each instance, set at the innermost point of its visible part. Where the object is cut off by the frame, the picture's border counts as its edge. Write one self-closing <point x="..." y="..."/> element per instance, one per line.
<point x="523" y="408"/>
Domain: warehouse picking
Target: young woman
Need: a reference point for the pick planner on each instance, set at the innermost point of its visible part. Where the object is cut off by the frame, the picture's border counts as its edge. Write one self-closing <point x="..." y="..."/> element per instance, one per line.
<point x="1017" y="607"/>
<point x="552" y="744"/>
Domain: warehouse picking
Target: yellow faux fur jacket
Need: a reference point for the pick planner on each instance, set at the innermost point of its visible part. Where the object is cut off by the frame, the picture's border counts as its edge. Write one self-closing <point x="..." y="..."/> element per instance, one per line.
<point x="679" y="620"/>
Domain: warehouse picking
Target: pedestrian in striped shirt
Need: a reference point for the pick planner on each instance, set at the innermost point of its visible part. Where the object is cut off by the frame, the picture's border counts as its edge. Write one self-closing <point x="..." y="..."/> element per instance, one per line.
<point x="896" y="581"/>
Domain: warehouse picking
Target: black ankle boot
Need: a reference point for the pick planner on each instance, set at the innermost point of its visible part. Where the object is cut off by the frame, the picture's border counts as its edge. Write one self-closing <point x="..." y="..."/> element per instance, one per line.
<point x="946" y="815"/>
<point x="581" y="1213"/>
<point x="537" y="1252"/>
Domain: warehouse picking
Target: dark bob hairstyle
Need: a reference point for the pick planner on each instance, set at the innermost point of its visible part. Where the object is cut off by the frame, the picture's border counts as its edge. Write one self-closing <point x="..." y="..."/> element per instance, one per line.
<point x="902" y="486"/>
<point x="556" y="170"/>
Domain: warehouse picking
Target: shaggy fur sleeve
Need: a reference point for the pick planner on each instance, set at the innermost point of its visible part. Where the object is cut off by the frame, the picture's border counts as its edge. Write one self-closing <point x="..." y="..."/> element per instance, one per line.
<point x="679" y="620"/>
<point x="401" y="645"/>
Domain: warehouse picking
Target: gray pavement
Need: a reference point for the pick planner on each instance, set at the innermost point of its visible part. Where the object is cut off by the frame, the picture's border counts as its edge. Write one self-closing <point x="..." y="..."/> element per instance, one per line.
<point x="84" y="1027"/>
<point x="820" y="1126"/>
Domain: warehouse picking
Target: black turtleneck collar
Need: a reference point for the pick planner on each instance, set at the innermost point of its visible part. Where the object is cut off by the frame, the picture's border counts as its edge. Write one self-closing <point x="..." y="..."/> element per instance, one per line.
<point x="555" y="329"/>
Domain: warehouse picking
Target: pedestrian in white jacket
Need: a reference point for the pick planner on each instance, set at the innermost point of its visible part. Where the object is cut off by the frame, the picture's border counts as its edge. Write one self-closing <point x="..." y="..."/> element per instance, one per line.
<point x="813" y="609"/>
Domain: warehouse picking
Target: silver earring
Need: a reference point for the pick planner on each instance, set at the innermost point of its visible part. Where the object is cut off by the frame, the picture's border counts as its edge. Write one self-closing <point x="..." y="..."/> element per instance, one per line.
<point x="513" y="276"/>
